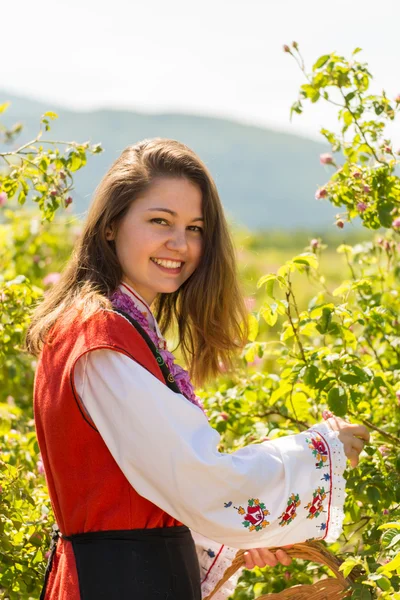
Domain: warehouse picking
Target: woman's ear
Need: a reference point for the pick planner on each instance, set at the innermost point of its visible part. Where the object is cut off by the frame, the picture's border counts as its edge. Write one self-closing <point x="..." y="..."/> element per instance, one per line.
<point x="110" y="233"/>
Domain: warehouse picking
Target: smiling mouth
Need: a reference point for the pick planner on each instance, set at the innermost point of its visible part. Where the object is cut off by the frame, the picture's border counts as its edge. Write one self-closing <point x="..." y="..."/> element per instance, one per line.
<point x="174" y="266"/>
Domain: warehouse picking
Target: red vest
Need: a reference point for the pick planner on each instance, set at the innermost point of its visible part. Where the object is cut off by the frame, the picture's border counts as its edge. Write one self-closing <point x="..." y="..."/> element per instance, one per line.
<point x="87" y="489"/>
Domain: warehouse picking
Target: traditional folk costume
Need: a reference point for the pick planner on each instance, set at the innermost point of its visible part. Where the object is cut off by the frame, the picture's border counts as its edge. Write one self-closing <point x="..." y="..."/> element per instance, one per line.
<point x="131" y="464"/>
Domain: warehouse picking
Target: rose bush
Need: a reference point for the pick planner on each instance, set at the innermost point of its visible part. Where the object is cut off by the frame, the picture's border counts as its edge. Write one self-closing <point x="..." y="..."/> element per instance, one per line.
<point x="32" y="251"/>
<point x="339" y="348"/>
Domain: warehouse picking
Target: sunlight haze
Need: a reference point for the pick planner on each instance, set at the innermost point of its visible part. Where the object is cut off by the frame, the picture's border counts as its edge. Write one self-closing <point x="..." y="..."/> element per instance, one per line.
<point x="210" y="58"/>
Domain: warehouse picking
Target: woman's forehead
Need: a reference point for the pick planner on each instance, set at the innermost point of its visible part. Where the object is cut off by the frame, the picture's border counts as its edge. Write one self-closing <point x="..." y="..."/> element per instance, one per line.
<point x="179" y="197"/>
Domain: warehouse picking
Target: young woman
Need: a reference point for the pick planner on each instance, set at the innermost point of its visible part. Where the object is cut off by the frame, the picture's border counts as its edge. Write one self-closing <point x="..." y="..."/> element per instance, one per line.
<point x="131" y="462"/>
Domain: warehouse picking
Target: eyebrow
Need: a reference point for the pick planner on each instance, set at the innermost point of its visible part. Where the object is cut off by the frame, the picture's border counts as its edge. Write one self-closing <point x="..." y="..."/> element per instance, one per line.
<point x="172" y="212"/>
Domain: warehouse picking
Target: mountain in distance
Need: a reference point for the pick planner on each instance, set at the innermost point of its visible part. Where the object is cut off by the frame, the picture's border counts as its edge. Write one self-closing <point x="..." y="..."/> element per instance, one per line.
<point x="266" y="179"/>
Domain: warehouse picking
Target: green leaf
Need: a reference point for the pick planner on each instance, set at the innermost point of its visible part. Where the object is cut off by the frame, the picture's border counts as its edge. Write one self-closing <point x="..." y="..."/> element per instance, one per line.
<point x="307" y="258"/>
<point x="325" y="320"/>
<point x="373" y="494"/>
<point x="348" y="565"/>
<point x="395" y="540"/>
<point x="266" y="279"/>
<point x="347" y="118"/>
<point x="361" y="592"/>
<point x="390" y="526"/>
<point x="384" y="583"/>
<point x="385" y="213"/>
<point x="311" y="375"/>
<point x="356" y="51"/>
<point x="51" y="115"/>
<point x="299" y="405"/>
<point x="321" y="61"/>
<point x="269" y="315"/>
<point x="253" y="327"/>
<point x="393" y="565"/>
<point x="337" y="401"/>
<point x="4" y="106"/>
<point x="310" y="92"/>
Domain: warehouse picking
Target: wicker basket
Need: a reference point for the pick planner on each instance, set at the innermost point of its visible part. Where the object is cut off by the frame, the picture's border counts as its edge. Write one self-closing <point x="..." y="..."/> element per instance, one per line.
<point x="326" y="589"/>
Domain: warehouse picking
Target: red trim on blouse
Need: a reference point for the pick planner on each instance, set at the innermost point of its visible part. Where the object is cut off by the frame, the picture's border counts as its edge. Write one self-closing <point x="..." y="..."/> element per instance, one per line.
<point x="330" y="495"/>
<point x="213" y="563"/>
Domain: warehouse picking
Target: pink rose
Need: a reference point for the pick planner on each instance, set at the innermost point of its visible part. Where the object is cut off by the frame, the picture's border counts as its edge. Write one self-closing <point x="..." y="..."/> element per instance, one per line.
<point x="250" y="303"/>
<point x="51" y="278"/>
<point x="396" y="223"/>
<point x="40" y="467"/>
<point x="384" y="450"/>
<point x="362" y="207"/>
<point x="3" y="198"/>
<point x="326" y="159"/>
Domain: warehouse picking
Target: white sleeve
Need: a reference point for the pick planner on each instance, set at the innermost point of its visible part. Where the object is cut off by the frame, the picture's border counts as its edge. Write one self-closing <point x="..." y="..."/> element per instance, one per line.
<point x="278" y="492"/>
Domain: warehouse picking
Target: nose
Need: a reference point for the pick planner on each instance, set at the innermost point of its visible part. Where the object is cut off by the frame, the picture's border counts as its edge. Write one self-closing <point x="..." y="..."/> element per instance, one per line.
<point x="177" y="241"/>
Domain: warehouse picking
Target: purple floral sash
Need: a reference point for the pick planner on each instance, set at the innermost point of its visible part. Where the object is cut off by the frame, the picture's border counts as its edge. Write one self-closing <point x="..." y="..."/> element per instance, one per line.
<point x="123" y="302"/>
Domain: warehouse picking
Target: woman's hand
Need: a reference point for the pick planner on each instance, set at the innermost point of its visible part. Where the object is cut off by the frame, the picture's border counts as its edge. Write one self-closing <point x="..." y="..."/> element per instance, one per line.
<point x="261" y="557"/>
<point x="352" y="436"/>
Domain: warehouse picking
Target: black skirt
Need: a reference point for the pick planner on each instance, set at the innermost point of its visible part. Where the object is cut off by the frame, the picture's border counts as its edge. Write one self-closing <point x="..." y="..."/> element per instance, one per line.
<point x="139" y="564"/>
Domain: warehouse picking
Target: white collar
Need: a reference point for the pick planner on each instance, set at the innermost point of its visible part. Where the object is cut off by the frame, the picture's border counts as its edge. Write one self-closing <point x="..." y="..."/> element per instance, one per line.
<point x="144" y="308"/>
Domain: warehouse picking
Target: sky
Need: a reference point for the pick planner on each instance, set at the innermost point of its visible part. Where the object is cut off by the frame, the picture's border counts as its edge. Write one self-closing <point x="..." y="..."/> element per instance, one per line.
<point x="214" y="57"/>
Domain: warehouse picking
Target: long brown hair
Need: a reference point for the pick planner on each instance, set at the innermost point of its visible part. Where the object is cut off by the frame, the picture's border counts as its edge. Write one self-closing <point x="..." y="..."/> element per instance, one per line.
<point x="208" y="308"/>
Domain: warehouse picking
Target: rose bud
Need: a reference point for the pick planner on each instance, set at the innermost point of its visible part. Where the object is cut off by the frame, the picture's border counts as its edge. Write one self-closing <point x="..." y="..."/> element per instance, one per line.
<point x="326" y="159"/>
<point x="384" y="450"/>
<point x="53" y="193"/>
<point x="357" y="175"/>
<point x="387" y="149"/>
<point x="367" y="189"/>
<point x="361" y="207"/>
<point x="286" y="48"/>
<point x="62" y="175"/>
<point x="385" y="511"/>
<point x="340" y="223"/>
<point x="397" y="99"/>
<point x="386" y="245"/>
<point x="321" y="193"/>
<point x="295" y="45"/>
<point x="314" y="244"/>
<point x="3" y="198"/>
<point x="68" y="201"/>
<point x="224" y="416"/>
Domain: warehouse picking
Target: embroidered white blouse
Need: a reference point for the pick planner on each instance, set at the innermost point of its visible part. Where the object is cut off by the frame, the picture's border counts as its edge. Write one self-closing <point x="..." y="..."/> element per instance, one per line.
<point x="279" y="492"/>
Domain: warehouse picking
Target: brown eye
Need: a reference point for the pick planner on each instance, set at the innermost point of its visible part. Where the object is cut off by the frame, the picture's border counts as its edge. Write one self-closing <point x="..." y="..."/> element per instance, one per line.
<point x="159" y="221"/>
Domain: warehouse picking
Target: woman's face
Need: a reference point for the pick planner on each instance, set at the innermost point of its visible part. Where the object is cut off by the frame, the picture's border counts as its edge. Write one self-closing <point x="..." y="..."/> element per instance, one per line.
<point x="159" y="241"/>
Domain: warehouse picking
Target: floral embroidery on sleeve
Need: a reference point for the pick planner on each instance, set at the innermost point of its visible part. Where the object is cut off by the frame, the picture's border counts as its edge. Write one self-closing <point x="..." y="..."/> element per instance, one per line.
<point x="291" y="510"/>
<point x="316" y="507"/>
<point x="319" y="450"/>
<point x="255" y="515"/>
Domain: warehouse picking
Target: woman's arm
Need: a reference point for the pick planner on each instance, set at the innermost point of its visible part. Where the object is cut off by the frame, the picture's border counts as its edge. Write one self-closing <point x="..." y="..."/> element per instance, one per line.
<point x="271" y="494"/>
